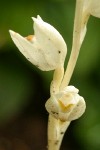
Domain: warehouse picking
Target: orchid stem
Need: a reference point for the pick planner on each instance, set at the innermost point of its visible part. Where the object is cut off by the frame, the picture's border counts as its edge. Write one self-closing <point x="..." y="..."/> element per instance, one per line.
<point x="75" y="46"/>
<point x="57" y="128"/>
<point x="57" y="78"/>
<point x="53" y="124"/>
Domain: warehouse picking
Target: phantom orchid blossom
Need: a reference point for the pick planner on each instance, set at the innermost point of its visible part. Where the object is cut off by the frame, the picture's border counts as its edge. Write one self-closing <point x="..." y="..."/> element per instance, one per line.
<point x="46" y="49"/>
<point x="66" y="105"/>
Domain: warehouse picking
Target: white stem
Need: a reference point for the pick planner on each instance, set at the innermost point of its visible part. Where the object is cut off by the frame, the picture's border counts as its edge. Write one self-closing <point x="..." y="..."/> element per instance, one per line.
<point x="53" y="124"/>
<point x="57" y="78"/>
<point x="56" y="131"/>
<point x="62" y="129"/>
<point x="76" y="44"/>
<point x="57" y="128"/>
<point x="53" y="130"/>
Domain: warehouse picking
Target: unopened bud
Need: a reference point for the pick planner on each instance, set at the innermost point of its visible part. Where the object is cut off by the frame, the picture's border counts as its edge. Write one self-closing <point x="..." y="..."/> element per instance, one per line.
<point x="66" y="105"/>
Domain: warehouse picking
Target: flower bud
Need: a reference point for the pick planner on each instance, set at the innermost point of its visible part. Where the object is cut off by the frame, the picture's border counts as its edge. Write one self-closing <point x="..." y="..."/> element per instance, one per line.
<point x="46" y="49"/>
<point x="66" y="105"/>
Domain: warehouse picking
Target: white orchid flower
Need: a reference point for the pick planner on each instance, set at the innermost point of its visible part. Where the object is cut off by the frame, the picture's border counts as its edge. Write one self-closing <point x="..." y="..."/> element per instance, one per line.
<point x="66" y="105"/>
<point x="84" y="9"/>
<point x="46" y="49"/>
<point x="92" y="7"/>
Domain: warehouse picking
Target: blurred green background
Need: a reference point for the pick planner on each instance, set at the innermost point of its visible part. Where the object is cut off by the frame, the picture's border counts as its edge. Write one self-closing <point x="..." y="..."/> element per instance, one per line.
<point x="24" y="89"/>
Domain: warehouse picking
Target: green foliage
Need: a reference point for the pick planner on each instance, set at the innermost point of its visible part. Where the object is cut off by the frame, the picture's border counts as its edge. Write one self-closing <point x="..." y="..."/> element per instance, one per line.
<point x="15" y="85"/>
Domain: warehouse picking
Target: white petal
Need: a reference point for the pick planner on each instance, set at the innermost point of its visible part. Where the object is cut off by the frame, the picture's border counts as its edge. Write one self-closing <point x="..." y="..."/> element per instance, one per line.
<point x="51" y="41"/>
<point x="52" y="106"/>
<point x="39" y="18"/>
<point x="95" y="8"/>
<point x="30" y="50"/>
<point x="71" y="89"/>
<point x="78" y="109"/>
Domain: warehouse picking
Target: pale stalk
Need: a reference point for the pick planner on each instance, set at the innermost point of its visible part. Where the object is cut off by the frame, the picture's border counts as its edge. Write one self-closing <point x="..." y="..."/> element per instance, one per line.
<point x="63" y="127"/>
<point x="76" y="44"/>
<point x="57" y="78"/>
<point x="53" y="133"/>
<point x="56" y="130"/>
<point x="53" y="124"/>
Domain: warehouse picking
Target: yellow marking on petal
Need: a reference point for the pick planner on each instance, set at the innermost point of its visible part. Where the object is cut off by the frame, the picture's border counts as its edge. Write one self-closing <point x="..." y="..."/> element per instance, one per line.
<point x="64" y="107"/>
<point x="29" y="37"/>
